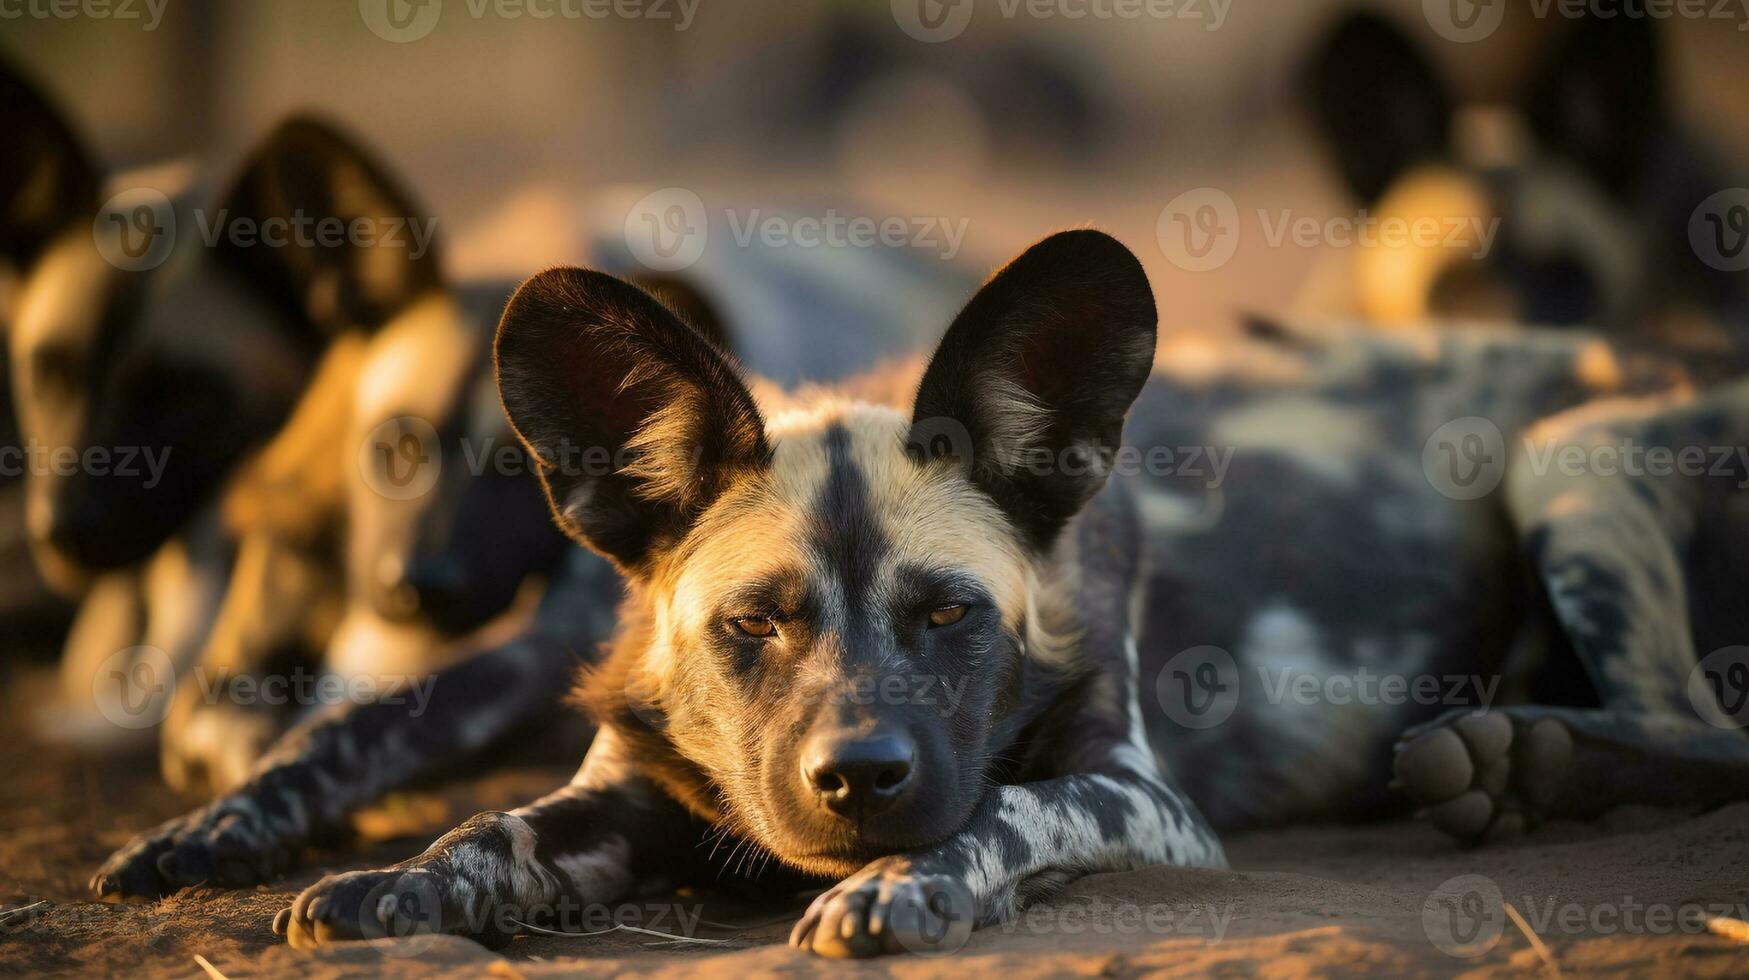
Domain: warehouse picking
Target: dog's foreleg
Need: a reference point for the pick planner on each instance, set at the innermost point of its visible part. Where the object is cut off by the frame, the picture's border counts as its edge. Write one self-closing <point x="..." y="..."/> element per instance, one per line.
<point x="1022" y="842"/>
<point x="587" y="844"/>
<point x="320" y="772"/>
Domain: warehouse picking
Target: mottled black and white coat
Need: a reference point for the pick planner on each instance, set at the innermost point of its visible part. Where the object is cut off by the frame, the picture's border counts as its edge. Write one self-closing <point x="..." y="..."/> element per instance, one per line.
<point x="799" y="568"/>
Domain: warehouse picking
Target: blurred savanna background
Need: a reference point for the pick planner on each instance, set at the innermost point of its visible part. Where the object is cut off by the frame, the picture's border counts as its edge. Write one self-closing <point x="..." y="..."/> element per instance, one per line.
<point x="830" y="179"/>
<point x="525" y="125"/>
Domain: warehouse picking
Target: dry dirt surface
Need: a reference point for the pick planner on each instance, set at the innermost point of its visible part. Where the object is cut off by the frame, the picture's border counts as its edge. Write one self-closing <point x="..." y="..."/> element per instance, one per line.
<point x="1630" y="898"/>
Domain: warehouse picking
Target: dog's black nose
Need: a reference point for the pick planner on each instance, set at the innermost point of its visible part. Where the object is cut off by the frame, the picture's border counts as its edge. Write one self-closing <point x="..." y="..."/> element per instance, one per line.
<point x="859" y="777"/>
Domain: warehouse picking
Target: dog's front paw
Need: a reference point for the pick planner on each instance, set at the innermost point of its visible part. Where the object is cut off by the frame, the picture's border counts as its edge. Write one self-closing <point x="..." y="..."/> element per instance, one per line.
<point x="231" y="843"/>
<point x="888" y="907"/>
<point x="1485" y="775"/>
<point x="394" y="903"/>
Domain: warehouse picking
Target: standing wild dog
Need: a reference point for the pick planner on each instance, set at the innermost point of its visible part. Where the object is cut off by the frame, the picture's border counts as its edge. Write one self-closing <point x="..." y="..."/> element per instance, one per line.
<point x="926" y="651"/>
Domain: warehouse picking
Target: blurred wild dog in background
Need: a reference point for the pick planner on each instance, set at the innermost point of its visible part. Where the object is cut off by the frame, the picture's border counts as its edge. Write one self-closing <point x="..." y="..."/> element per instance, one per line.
<point x="1588" y="179"/>
<point x="177" y="355"/>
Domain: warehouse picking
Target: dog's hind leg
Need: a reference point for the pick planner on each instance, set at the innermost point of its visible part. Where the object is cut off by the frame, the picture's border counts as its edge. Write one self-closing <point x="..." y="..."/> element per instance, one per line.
<point x="1616" y="552"/>
<point x="593" y="842"/>
<point x="306" y="786"/>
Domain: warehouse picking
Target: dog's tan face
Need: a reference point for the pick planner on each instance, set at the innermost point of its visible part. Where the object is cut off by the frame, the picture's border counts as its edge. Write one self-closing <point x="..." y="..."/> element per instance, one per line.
<point x="843" y="594"/>
<point x="834" y="601"/>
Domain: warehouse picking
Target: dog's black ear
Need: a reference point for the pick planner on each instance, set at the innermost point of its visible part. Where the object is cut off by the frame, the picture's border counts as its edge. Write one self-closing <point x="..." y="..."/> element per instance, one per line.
<point x="1034" y="377"/>
<point x="47" y="181"/>
<point x="1379" y="103"/>
<point x="638" y="422"/>
<point x="307" y="171"/>
<point x="1598" y="97"/>
<point x="699" y="311"/>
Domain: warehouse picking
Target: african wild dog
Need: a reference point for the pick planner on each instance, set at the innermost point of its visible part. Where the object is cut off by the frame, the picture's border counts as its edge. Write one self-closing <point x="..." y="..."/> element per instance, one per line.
<point x="1570" y="204"/>
<point x="171" y="371"/>
<point x="382" y="534"/>
<point x="784" y="553"/>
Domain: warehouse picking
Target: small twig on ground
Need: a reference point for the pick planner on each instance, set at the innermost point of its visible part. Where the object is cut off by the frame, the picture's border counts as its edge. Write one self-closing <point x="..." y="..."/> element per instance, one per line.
<point x="211" y="970"/>
<point x="624" y="928"/>
<point x="1536" y="942"/>
<point x="23" y="908"/>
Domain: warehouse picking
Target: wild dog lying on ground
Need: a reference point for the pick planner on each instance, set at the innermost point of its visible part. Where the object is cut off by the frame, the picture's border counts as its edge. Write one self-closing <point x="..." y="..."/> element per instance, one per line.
<point x="1570" y="204"/>
<point x="799" y="566"/>
<point x="158" y="350"/>
<point x="379" y="533"/>
<point x="364" y="559"/>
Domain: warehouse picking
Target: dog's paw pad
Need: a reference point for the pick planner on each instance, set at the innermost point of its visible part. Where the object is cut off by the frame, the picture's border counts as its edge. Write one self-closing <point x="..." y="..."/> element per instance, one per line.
<point x="1484" y="775"/>
<point x="1541" y="760"/>
<point x="1435" y="767"/>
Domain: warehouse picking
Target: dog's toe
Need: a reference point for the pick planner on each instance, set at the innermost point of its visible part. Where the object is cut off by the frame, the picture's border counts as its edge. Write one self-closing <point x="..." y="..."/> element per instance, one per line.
<point x="1435" y="767"/>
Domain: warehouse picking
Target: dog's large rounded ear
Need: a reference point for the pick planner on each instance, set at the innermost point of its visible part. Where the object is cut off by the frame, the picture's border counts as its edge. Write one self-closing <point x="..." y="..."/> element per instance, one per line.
<point x="1597" y="97"/>
<point x="636" y="420"/>
<point x="1034" y="377"/>
<point x="47" y="181"/>
<point x="1380" y="105"/>
<point x="365" y="250"/>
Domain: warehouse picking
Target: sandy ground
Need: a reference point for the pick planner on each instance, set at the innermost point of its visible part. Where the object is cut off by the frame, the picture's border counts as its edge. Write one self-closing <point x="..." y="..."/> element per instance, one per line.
<point x="1626" y="898"/>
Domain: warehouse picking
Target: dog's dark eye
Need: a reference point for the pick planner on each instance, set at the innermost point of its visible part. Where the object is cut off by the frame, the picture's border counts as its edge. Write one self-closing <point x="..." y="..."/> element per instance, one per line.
<point x="947" y="615"/>
<point x="760" y="626"/>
